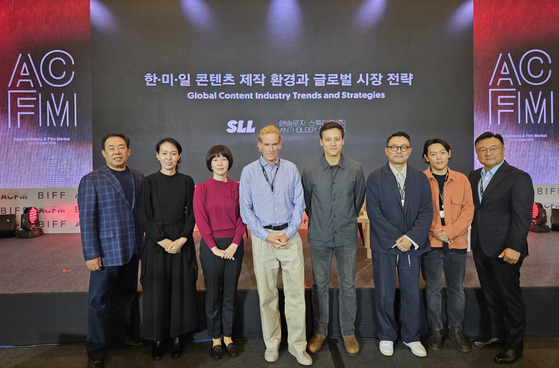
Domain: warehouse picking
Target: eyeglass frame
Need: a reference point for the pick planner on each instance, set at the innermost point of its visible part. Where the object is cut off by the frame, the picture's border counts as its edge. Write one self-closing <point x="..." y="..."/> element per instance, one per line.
<point x="403" y="148"/>
<point x="491" y="149"/>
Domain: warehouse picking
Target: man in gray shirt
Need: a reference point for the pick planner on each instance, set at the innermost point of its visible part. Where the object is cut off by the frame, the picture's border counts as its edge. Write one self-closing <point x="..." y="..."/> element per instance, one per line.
<point x="334" y="188"/>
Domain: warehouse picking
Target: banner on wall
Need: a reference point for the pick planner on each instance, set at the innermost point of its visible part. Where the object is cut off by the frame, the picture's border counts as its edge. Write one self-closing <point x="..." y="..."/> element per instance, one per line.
<point x="58" y="207"/>
<point x="45" y="93"/>
<point x="516" y="81"/>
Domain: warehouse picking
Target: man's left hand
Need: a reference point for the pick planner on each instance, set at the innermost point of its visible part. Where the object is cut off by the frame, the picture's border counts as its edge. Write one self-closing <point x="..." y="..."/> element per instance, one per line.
<point x="510" y="255"/>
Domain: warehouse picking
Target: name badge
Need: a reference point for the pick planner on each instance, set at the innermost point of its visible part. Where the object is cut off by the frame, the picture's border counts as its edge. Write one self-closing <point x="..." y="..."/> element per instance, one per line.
<point x="441" y="214"/>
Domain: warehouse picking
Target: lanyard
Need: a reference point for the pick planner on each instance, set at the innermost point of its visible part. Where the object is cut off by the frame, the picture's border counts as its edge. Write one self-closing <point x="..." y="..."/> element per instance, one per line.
<point x="481" y="185"/>
<point x="441" y="192"/>
<point x="271" y="184"/>
<point x="402" y="189"/>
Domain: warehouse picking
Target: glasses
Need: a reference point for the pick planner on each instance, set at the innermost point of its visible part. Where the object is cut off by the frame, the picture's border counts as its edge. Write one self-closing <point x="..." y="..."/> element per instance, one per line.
<point x="491" y="149"/>
<point x="394" y="148"/>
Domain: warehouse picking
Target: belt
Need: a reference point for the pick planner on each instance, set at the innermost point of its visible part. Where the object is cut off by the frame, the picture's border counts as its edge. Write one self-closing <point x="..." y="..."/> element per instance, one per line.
<point x="276" y="227"/>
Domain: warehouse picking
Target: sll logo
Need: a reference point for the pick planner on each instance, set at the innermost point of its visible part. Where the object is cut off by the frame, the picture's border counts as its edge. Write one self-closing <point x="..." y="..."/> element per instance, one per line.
<point x="238" y="126"/>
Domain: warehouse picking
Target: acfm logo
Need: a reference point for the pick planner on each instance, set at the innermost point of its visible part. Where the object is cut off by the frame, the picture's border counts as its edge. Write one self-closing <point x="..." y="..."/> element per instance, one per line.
<point x="238" y="126"/>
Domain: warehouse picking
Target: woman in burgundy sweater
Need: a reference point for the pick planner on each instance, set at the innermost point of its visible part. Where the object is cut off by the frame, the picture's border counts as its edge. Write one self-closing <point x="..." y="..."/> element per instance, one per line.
<point x="216" y="209"/>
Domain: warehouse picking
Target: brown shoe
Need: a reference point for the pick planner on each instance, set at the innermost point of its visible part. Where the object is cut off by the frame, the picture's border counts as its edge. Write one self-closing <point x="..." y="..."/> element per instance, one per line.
<point x="351" y="345"/>
<point x="316" y="343"/>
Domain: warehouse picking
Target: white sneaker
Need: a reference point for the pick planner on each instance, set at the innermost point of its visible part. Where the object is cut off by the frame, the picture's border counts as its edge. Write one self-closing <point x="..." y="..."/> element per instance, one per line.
<point x="271" y="355"/>
<point x="386" y="347"/>
<point x="302" y="357"/>
<point x="416" y="348"/>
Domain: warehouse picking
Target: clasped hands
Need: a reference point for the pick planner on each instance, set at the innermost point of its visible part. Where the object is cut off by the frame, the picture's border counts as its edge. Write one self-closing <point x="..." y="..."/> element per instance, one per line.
<point x="403" y="244"/>
<point x="227" y="253"/>
<point x="172" y="246"/>
<point x="278" y="240"/>
<point x="442" y="236"/>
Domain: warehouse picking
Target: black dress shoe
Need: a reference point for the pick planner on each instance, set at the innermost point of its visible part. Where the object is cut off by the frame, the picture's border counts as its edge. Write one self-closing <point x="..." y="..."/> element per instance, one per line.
<point x="460" y="341"/>
<point x="508" y="356"/>
<point x="493" y="342"/>
<point x="157" y="350"/>
<point x="95" y="363"/>
<point x="232" y="350"/>
<point x="178" y="348"/>
<point x="435" y="341"/>
<point x="216" y="352"/>
<point x="132" y="344"/>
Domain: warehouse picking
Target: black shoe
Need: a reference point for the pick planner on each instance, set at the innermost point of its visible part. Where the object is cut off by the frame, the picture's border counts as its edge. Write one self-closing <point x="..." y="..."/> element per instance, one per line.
<point x="96" y="363"/>
<point x="232" y="350"/>
<point x="178" y="347"/>
<point x="493" y="342"/>
<point x="460" y="341"/>
<point x="508" y="356"/>
<point x="435" y="341"/>
<point x="157" y="350"/>
<point x="132" y="344"/>
<point x="216" y="352"/>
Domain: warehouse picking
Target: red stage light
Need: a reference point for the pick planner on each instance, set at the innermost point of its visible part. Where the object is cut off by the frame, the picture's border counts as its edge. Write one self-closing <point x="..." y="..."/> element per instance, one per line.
<point x="30" y="223"/>
<point x="539" y="219"/>
<point x="33" y="216"/>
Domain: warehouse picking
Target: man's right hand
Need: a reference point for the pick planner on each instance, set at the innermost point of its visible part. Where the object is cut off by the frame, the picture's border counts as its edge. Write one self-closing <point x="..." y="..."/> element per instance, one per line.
<point x="94" y="264"/>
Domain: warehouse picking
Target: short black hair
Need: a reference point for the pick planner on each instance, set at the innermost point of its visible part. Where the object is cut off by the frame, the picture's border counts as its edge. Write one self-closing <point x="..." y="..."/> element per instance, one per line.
<point x="332" y="125"/>
<point x="399" y="134"/>
<point x="107" y="136"/>
<point x="431" y="141"/>
<point x="490" y="135"/>
<point x="174" y="143"/>
<point x="216" y="151"/>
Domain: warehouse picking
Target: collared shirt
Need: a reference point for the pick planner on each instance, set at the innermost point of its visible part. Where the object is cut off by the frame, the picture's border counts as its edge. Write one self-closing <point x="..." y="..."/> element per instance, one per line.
<point x="401" y="180"/>
<point x="486" y="177"/>
<point x="260" y="206"/>
<point x="334" y="195"/>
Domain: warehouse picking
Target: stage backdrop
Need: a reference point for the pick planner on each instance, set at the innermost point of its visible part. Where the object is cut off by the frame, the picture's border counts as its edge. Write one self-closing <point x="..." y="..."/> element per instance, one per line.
<point x="208" y="72"/>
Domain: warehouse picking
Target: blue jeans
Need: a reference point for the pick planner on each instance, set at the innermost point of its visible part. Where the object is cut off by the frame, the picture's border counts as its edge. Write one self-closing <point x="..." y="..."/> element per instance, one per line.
<point x="345" y="265"/>
<point x="454" y="266"/>
<point x="112" y="291"/>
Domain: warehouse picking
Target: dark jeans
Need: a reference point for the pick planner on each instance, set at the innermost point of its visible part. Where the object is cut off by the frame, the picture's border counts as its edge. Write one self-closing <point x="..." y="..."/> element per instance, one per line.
<point x="453" y="264"/>
<point x="345" y="265"/>
<point x="112" y="291"/>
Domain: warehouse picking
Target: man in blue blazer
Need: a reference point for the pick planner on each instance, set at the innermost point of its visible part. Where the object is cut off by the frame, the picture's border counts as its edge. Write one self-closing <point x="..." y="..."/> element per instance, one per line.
<point x="111" y="239"/>
<point x="503" y="196"/>
<point x="400" y="210"/>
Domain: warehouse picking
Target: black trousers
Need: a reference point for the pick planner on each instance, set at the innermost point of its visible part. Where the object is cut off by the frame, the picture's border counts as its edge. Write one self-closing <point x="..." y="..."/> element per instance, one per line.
<point x="221" y="277"/>
<point x="500" y="282"/>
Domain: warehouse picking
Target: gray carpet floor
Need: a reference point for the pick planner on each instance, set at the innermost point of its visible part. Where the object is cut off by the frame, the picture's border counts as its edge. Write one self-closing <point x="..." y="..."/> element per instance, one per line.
<point x="538" y="352"/>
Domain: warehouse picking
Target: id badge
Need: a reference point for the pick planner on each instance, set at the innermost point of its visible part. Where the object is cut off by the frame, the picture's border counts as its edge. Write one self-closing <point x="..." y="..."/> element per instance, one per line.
<point x="441" y="214"/>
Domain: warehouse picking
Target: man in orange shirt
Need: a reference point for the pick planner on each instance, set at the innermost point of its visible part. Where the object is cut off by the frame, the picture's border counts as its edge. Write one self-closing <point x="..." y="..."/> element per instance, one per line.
<point x="453" y="211"/>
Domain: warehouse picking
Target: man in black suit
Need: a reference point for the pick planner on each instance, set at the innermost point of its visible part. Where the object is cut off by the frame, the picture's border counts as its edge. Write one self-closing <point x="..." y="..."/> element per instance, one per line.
<point x="503" y="197"/>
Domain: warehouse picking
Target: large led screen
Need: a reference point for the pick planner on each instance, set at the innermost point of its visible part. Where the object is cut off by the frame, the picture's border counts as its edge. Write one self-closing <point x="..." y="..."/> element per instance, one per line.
<point x="215" y="72"/>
